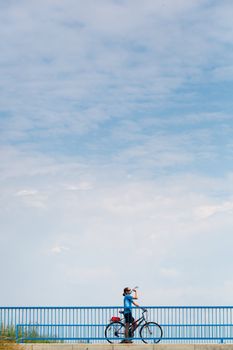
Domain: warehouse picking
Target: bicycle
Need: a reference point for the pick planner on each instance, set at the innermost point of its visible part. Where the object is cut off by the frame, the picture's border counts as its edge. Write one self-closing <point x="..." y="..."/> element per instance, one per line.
<point x="150" y="332"/>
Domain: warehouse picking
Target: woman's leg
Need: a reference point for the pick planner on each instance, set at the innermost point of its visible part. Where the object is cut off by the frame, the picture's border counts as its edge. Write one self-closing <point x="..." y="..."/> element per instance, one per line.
<point x="127" y="330"/>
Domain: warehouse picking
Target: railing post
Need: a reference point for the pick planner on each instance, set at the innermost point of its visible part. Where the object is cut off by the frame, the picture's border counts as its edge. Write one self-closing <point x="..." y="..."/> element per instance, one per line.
<point x="22" y="340"/>
<point x="16" y="334"/>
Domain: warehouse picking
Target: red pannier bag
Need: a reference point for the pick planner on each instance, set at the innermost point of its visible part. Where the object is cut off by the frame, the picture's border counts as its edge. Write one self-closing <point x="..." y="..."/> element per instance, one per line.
<point x="115" y="319"/>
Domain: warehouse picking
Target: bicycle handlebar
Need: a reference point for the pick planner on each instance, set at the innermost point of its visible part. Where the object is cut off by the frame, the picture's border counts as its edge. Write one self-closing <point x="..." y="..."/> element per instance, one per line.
<point x="144" y="310"/>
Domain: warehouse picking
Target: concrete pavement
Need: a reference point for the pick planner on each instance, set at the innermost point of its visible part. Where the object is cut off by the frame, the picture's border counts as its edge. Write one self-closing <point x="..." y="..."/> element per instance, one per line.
<point x="128" y="347"/>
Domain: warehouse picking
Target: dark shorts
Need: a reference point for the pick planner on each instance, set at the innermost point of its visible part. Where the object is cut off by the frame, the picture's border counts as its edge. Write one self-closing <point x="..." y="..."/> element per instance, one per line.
<point x="128" y="317"/>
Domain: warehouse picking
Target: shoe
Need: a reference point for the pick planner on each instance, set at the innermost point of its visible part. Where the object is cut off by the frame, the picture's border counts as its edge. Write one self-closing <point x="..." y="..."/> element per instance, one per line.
<point x="126" y="341"/>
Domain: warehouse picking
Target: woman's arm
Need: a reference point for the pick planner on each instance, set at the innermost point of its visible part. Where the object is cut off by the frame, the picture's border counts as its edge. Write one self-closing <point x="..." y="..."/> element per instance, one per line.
<point x="135" y="297"/>
<point x="135" y="294"/>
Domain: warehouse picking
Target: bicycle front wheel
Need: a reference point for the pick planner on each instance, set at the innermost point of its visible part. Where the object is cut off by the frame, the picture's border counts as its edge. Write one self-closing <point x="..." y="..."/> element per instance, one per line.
<point x="151" y="332"/>
<point x="115" y="332"/>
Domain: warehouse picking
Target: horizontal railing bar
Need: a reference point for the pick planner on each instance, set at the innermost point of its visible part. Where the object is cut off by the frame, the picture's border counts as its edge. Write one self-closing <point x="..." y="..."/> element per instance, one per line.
<point x="111" y="307"/>
<point x="105" y="324"/>
<point x="62" y="325"/>
<point x="111" y="338"/>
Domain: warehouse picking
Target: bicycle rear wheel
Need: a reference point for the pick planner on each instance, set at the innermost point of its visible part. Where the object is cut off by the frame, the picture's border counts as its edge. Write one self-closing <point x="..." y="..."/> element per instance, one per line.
<point x="115" y="332"/>
<point x="151" y="332"/>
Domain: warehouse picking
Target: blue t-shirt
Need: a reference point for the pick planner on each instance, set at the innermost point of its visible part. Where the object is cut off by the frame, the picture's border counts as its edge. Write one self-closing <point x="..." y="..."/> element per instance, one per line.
<point x="128" y="300"/>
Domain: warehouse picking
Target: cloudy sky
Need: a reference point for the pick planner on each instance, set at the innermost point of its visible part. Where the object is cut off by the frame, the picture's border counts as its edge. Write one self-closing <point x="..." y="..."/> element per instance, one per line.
<point x="116" y="151"/>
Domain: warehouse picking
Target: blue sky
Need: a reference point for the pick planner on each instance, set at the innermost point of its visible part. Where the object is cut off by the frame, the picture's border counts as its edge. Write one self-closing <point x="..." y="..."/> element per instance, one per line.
<point x="116" y="151"/>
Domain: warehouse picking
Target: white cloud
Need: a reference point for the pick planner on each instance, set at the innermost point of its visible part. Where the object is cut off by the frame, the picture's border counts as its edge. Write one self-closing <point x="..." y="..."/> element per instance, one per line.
<point x="26" y="193"/>
<point x="209" y="210"/>
<point x="82" y="186"/>
<point x="58" y="249"/>
<point x="33" y="198"/>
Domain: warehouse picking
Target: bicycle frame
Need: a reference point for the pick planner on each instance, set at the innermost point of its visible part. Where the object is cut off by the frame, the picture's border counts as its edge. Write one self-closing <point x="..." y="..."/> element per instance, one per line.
<point x="138" y="322"/>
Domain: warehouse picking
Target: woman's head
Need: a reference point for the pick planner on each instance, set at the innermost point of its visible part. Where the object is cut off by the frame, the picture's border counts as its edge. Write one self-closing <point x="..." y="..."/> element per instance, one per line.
<point x="127" y="290"/>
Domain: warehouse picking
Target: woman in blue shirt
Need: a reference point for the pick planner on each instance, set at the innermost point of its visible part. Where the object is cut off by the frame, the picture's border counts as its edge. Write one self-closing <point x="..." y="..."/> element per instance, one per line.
<point x="128" y="302"/>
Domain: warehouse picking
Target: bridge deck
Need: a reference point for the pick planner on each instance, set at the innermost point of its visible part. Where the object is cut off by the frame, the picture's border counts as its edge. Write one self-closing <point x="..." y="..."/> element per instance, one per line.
<point x="128" y="347"/>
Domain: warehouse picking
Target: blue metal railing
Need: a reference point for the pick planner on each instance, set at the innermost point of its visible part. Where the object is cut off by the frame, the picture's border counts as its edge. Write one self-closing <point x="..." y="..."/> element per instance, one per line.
<point x="181" y="324"/>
